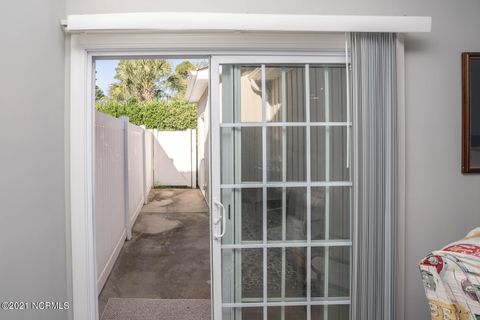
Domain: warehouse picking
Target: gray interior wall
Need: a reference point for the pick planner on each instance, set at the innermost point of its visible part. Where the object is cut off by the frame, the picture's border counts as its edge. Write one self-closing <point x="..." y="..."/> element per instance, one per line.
<point x="441" y="203"/>
<point x="32" y="204"/>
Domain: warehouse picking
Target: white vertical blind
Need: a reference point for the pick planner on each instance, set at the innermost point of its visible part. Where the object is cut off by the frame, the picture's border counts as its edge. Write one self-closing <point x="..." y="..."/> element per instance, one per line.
<point x="375" y="103"/>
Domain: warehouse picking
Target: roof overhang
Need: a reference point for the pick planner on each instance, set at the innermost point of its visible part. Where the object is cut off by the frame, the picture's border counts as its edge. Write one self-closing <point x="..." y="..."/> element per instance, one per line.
<point x="197" y="85"/>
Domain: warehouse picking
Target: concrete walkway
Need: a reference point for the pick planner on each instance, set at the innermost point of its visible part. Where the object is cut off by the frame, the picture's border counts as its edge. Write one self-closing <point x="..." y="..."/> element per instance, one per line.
<point x="169" y="254"/>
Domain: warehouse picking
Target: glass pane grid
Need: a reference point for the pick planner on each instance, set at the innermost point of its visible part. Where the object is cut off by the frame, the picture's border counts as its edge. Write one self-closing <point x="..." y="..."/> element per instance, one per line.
<point x="287" y="244"/>
<point x="284" y="124"/>
<point x="283" y="248"/>
<point x="287" y="184"/>
<point x="274" y="302"/>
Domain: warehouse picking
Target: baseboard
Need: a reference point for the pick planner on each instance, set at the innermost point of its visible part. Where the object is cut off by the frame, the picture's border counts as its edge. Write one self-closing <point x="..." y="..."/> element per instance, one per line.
<point x="102" y="279"/>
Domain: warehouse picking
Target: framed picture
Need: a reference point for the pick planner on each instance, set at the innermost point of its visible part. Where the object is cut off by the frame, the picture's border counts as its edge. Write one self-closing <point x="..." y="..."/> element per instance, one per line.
<point x="471" y="112"/>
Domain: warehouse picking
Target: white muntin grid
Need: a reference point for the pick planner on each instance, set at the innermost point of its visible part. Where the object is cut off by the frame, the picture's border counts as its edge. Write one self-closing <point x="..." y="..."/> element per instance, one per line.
<point x="238" y="245"/>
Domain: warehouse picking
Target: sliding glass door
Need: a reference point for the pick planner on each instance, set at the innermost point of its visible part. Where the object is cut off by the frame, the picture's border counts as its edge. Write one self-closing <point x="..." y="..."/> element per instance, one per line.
<point x="281" y="188"/>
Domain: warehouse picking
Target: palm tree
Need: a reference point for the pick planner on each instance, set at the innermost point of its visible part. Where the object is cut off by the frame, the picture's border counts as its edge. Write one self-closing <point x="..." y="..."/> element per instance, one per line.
<point x="140" y="80"/>
<point x="178" y="81"/>
<point x="99" y="95"/>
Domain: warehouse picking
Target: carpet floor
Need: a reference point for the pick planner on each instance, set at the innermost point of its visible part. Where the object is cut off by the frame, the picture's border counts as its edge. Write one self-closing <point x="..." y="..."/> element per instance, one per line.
<point x="156" y="309"/>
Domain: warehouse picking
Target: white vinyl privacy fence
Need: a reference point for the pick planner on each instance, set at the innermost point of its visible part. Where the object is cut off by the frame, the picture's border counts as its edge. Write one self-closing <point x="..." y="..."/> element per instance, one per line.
<point x="175" y="158"/>
<point x="129" y="161"/>
<point x="110" y="177"/>
<point x="149" y="140"/>
<point x="135" y="140"/>
<point x="123" y="178"/>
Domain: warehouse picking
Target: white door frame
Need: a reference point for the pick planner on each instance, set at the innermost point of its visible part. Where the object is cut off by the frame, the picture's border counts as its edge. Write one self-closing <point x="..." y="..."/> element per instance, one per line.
<point x="83" y="49"/>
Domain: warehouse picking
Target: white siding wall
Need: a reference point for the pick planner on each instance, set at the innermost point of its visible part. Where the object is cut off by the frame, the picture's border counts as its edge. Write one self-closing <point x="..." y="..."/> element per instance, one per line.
<point x="202" y="140"/>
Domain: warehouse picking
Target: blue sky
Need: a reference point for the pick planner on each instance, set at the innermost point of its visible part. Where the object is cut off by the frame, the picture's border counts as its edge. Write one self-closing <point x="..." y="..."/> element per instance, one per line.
<point x="106" y="71"/>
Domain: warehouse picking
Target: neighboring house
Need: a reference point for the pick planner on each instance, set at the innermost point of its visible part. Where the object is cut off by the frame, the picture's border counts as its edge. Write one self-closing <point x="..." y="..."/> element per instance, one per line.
<point x="250" y="110"/>
<point x="197" y="92"/>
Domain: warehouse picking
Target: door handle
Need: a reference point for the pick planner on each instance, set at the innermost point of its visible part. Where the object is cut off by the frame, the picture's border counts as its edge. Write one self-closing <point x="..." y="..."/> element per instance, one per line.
<point x="220" y="218"/>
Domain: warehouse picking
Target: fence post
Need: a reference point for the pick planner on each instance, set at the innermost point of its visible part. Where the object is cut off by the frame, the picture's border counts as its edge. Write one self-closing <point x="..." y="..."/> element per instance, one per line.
<point x="154" y="163"/>
<point x="125" y="170"/>
<point x="144" y="151"/>
<point x="152" y="169"/>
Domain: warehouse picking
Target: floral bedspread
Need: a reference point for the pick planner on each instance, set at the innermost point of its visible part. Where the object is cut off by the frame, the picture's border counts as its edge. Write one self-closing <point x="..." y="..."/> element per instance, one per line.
<point x="451" y="277"/>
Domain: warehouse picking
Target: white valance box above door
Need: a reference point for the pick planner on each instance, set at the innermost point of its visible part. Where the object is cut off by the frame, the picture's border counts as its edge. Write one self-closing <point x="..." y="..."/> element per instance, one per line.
<point x="205" y="21"/>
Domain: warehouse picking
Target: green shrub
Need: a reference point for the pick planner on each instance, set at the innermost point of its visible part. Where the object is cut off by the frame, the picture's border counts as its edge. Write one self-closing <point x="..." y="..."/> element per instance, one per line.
<point x="172" y="114"/>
